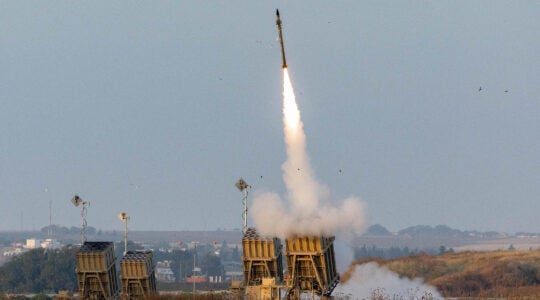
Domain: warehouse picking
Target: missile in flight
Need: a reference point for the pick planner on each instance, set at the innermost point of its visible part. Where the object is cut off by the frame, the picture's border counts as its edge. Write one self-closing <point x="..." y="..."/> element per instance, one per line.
<point x="278" y="23"/>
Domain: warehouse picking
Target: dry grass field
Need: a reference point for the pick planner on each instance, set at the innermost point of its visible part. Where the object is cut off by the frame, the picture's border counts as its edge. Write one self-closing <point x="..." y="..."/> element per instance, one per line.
<point x="499" y="274"/>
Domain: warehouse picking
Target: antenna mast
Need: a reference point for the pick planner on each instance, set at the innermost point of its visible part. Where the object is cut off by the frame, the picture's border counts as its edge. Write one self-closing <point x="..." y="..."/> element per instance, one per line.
<point x="49" y="232"/>
<point x="49" y="229"/>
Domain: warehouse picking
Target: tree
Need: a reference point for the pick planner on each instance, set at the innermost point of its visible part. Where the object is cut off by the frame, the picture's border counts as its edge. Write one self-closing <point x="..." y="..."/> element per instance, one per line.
<point x="235" y="255"/>
<point x="181" y="264"/>
<point x="442" y="249"/>
<point x="40" y="270"/>
<point x="378" y="229"/>
<point x="212" y="265"/>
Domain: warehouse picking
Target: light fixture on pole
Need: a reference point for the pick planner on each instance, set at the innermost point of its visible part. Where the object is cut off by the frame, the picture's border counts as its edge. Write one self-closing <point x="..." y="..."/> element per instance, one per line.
<point x="124" y="218"/>
<point x="76" y="200"/>
<point x="242" y="186"/>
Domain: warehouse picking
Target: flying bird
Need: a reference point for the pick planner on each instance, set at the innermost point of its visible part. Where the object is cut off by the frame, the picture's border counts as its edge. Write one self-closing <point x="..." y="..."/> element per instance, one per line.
<point x="479" y="89"/>
<point x="506" y="91"/>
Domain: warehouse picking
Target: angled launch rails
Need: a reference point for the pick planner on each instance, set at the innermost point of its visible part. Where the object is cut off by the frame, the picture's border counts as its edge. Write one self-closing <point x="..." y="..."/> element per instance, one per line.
<point x="263" y="266"/>
<point x="261" y="258"/>
<point x="96" y="271"/>
<point x="138" y="275"/>
<point x="278" y="23"/>
<point x="311" y="266"/>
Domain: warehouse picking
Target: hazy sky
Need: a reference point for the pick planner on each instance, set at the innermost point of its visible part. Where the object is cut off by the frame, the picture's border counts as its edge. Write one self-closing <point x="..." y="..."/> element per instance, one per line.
<point x="158" y="107"/>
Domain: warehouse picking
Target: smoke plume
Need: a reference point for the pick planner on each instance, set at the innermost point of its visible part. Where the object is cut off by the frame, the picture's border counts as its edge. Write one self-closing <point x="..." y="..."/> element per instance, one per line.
<point x="369" y="281"/>
<point x="307" y="210"/>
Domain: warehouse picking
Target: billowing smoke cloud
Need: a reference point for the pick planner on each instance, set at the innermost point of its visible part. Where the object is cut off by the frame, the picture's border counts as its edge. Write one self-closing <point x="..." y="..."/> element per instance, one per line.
<point x="344" y="254"/>
<point x="308" y="210"/>
<point x="369" y="281"/>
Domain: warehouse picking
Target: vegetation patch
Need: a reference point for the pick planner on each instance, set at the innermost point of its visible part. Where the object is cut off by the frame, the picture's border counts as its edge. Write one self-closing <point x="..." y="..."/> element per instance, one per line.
<point x="499" y="274"/>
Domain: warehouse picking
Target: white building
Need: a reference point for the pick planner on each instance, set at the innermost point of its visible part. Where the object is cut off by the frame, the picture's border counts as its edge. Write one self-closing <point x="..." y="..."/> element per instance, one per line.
<point x="12" y="252"/>
<point x="164" y="272"/>
<point x="32" y="244"/>
<point x="51" y="244"/>
<point x="47" y="244"/>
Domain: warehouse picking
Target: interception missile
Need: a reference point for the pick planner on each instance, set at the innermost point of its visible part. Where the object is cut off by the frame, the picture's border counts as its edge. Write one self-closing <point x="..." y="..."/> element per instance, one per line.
<point x="278" y="23"/>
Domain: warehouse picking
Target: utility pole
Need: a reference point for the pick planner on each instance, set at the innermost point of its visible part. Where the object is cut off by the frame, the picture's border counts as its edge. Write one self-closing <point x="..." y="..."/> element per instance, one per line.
<point x="194" y="266"/>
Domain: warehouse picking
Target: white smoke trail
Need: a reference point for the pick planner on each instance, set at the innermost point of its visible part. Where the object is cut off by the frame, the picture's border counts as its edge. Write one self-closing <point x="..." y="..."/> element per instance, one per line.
<point x="302" y="188"/>
<point x="308" y="211"/>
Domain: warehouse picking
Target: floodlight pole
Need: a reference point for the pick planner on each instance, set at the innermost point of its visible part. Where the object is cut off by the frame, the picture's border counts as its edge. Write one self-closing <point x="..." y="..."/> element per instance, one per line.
<point x="125" y="235"/>
<point x="242" y="186"/>
<point x="83" y="222"/>
<point x="244" y="215"/>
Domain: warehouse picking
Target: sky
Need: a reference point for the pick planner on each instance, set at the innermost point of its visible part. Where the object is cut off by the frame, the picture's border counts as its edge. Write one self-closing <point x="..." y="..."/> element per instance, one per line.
<point x="157" y="108"/>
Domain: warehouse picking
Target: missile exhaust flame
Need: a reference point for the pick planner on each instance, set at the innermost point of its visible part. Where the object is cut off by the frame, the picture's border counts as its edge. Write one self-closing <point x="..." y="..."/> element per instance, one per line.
<point x="291" y="114"/>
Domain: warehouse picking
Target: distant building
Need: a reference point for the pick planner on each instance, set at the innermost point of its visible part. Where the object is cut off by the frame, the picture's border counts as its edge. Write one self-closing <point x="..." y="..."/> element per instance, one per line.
<point x="14" y="250"/>
<point x="215" y="279"/>
<point x="9" y="252"/>
<point x="32" y="244"/>
<point x="51" y="244"/>
<point x="164" y="272"/>
<point x="46" y="244"/>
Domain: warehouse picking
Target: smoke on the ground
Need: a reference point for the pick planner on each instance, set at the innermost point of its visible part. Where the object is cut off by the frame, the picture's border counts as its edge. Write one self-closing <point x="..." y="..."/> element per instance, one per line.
<point x="369" y="280"/>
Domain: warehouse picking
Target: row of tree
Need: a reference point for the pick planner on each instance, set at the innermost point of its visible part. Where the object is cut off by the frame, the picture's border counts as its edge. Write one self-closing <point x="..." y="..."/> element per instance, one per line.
<point x="389" y="253"/>
<point x="62" y="230"/>
<point x="41" y="270"/>
<point x="182" y="262"/>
